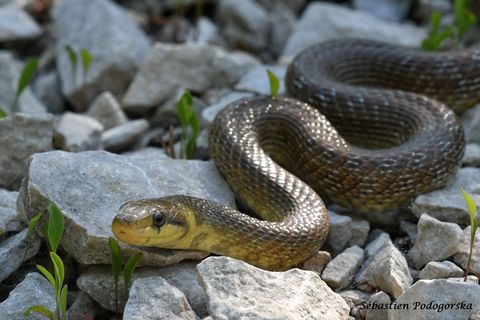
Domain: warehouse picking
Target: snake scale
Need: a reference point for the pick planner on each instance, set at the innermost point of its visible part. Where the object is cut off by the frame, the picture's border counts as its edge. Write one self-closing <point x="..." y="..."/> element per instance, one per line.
<point x="360" y="132"/>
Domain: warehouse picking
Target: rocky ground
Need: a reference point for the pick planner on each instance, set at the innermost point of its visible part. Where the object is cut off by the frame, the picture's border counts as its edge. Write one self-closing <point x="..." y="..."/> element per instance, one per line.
<point x="89" y="141"/>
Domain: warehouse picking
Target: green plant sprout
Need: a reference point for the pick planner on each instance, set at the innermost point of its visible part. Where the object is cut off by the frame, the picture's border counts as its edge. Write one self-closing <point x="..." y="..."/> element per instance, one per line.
<point x="128" y="268"/>
<point x="3" y="113"/>
<point x="31" y="228"/>
<point x="85" y="57"/>
<point x="474" y="224"/>
<point x="54" y="232"/>
<point x="190" y="125"/>
<point x="25" y="77"/>
<point x="463" y="20"/>
<point x="274" y="83"/>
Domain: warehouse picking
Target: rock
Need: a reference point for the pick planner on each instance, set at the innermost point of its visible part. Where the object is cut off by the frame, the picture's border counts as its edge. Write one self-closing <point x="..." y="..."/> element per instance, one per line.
<point x="97" y="281"/>
<point x="256" y="80"/>
<point x="148" y="153"/>
<point x="282" y="22"/>
<point x="390" y="10"/>
<point x="341" y="270"/>
<point x="209" y="113"/>
<point x="354" y="297"/>
<point x="448" y="204"/>
<point x="427" y="7"/>
<point x="443" y="269"/>
<point x="471" y="123"/>
<point x="77" y="132"/>
<point x="89" y="187"/>
<point x="386" y="268"/>
<point x="83" y="308"/>
<point x="106" y="110"/>
<point x="10" y="70"/>
<point x="340" y="231"/>
<point x="293" y="5"/>
<point x="122" y="137"/>
<point x="360" y="229"/>
<point x="9" y="220"/>
<point x="318" y="262"/>
<point x="47" y="89"/>
<point x="410" y="229"/>
<point x="324" y="21"/>
<point x="34" y="290"/>
<point x="461" y="257"/>
<point x="425" y="299"/>
<point x="15" y="250"/>
<point x="381" y="298"/>
<point x="162" y="301"/>
<point x="237" y="290"/>
<point x="471" y="158"/>
<point x="190" y="66"/>
<point x="207" y="33"/>
<point x="245" y="24"/>
<point x="16" y="24"/>
<point x="436" y="240"/>
<point x="118" y="47"/>
<point x="22" y="135"/>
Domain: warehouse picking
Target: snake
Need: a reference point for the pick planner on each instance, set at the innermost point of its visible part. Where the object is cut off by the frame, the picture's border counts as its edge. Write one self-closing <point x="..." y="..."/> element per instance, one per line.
<point x="367" y="125"/>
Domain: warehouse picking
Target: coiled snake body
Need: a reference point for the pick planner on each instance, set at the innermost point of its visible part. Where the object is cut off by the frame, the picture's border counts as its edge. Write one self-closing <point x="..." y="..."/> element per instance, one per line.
<point x="380" y="147"/>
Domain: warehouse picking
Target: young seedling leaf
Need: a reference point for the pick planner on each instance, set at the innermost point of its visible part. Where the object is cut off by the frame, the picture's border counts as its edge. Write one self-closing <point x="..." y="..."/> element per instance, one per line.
<point x="55" y="226"/>
<point x="116" y="255"/>
<point x="191" y="149"/>
<point x="72" y="56"/>
<point x="472" y="207"/>
<point x="59" y="269"/>
<point x="27" y="74"/>
<point x="47" y="275"/>
<point x="274" y="83"/>
<point x="129" y="268"/>
<point x="39" y="309"/>
<point x="195" y="125"/>
<point x="33" y="222"/>
<point x="86" y="60"/>
<point x="185" y="108"/>
<point x="3" y="113"/>
<point x="63" y="301"/>
<point x="435" y="20"/>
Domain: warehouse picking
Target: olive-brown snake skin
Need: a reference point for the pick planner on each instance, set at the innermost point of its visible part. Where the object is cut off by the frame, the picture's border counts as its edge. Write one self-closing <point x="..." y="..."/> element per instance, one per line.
<point x="379" y="148"/>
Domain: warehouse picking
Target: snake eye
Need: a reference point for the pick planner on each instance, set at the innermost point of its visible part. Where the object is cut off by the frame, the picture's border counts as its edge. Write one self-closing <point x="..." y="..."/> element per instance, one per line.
<point x="158" y="219"/>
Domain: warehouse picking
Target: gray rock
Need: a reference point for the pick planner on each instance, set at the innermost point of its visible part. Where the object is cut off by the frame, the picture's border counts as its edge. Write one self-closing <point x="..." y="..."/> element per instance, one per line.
<point x="318" y="262"/>
<point x="293" y="5"/>
<point x="471" y="123"/>
<point x="340" y="231"/>
<point x="122" y="137"/>
<point x="427" y="7"/>
<point x="443" y="269"/>
<point x="341" y="270"/>
<point x="207" y="33"/>
<point x="430" y="295"/>
<point x="354" y="297"/>
<point x="15" y="250"/>
<point x="471" y="158"/>
<point x="237" y="290"/>
<point x="97" y="281"/>
<point x="360" y="229"/>
<point x="106" y="109"/>
<point x="386" y="268"/>
<point x="256" y="80"/>
<point x="436" y="240"/>
<point x="47" y="89"/>
<point x="378" y="313"/>
<point x="9" y="220"/>
<point x="410" y="229"/>
<point x="117" y="44"/>
<point x="282" y="22"/>
<point x="461" y="257"/>
<point x="77" y="132"/>
<point x="324" y="21"/>
<point x="83" y="307"/>
<point x="16" y="24"/>
<point x="245" y="24"/>
<point x="163" y="301"/>
<point x="389" y="10"/>
<point x="191" y="66"/>
<point x="10" y="70"/>
<point x="89" y="187"/>
<point x="209" y="113"/>
<point x="22" y="135"/>
<point x="148" y="153"/>
<point x="34" y="290"/>
<point x="448" y="204"/>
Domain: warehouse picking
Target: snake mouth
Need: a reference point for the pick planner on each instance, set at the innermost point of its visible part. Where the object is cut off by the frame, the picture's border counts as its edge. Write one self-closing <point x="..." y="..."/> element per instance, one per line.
<point x="127" y="233"/>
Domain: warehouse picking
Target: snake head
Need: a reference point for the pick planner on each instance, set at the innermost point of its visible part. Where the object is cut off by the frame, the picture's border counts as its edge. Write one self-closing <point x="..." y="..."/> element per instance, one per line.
<point x="161" y="222"/>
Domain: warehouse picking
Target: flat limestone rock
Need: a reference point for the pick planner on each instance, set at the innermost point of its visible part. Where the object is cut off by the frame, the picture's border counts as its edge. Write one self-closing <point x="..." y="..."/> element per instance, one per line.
<point x="9" y="220"/>
<point x="461" y="257"/>
<point x="89" y="187"/>
<point x="237" y="290"/>
<point x="16" y="24"/>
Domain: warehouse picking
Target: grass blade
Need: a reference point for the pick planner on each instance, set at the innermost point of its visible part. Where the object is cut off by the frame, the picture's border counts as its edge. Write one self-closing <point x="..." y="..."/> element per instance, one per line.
<point x="3" y="113"/>
<point x="47" y="275"/>
<point x="274" y="83"/>
<point x="39" y="309"/>
<point x="72" y="56"/>
<point x="195" y="125"/>
<point x="26" y="76"/>
<point x="86" y="60"/>
<point x="129" y="268"/>
<point x="191" y="149"/>
<point x="56" y="226"/>
<point x="185" y="109"/>
<point x="472" y="207"/>
<point x="116" y="254"/>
